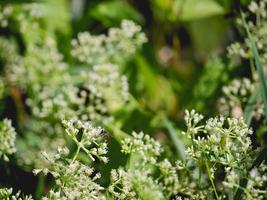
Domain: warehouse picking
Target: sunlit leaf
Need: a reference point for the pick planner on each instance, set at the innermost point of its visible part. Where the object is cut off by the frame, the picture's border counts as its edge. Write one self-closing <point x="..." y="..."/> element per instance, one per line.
<point x="113" y="12"/>
<point x="196" y="9"/>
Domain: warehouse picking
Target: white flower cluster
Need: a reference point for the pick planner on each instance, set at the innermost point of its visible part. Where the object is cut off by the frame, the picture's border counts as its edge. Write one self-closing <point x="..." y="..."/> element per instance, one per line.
<point x="102" y="81"/>
<point x="144" y="152"/>
<point x="25" y="15"/>
<point x="40" y="66"/>
<point x="225" y="141"/>
<point x="143" y="145"/>
<point x="8" y="51"/>
<point x="7" y="139"/>
<point x="90" y="138"/>
<point x="118" y="43"/>
<point x="54" y="93"/>
<point x="6" y="194"/>
<point x="5" y="14"/>
<point x="134" y="184"/>
<point x="74" y="179"/>
<point x="170" y="182"/>
<point x="120" y="181"/>
<point x="162" y="179"/>
<point x="236" y="96"/>
<point x="222" y="143"/>
<point x="257" y="29"/>
<point x="102" y="91"/>
<point x="257" y="181"/>
<point x="220" y="147"/>
<point x="237" y="93"/>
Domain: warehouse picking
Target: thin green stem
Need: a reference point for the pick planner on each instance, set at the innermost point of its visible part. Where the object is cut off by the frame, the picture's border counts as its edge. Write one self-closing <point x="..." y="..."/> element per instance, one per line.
<point x="76" y="154"/>
<point x="212" y="183"/>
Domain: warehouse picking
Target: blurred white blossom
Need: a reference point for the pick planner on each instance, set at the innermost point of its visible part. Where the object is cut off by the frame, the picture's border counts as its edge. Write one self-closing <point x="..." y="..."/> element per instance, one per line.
<point x="117" y="44"/>
<point x="7" y="139"/>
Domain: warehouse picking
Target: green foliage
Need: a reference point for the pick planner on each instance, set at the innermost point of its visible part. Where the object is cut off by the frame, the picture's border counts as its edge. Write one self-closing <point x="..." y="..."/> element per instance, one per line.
<point x="193" y="9"/>
<point x="113" y="12"/>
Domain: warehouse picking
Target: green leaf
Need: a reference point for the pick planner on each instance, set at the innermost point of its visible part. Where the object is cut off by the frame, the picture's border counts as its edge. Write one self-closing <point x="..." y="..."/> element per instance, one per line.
<point x="57" y="15"/>
<point x="157" y="92"/>
<point x="175" y="138"/>
<point x="205" y="46"/>
<point x="245" y="1"/>
<point x="250" y="107"/>
<point x="113" y="12"/>
<point x="196" y="9"/>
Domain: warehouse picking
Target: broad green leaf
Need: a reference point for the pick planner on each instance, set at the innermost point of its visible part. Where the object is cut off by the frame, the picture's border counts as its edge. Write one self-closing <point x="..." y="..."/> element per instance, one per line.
<point x="186" y="10"/>
<point x="157" y="91"/>
<point x="57" y="15"/>
<point x="197" y="9"/>
<point x="113" y="12"/>
<point x="208" y="35"/>
<point x="57" y="21"/>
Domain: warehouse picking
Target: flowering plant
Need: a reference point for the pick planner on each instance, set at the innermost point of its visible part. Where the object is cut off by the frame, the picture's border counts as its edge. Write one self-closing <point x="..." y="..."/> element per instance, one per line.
<point x="88" y="119"/>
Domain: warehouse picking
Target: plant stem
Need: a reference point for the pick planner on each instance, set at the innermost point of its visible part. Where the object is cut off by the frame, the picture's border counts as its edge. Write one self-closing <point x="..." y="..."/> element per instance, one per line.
<point x="175" y="138"/>
<point x="212" y="183"/>
<point x="76" y="154"/>
<point x="40" y="186"/>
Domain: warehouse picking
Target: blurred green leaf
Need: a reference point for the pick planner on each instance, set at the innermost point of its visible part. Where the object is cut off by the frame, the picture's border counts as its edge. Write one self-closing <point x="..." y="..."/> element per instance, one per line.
<point x="207" y="87"/>
<point x="245" y="1"/>
<point x="186" y="10"/>
<point x="57" y="22"/>
<point x="261" y="133"/>
<point x="57" y="15"/>
<point x="196" y="9"/>
<point x="208" y="35"/>
<point x="178" y="143"/>
<point x="157" y="91"/>
<point x="113" y="12"/>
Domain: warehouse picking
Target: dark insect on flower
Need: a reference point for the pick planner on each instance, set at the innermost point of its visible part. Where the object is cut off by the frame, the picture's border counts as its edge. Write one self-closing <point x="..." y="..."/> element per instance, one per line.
<point x="105" y="134"/>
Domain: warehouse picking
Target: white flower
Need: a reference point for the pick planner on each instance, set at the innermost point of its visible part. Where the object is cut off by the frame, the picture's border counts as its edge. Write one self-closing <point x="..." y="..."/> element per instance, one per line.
<point x="7" y="139"/>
